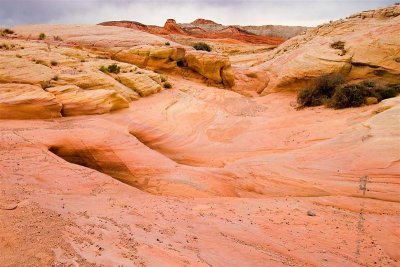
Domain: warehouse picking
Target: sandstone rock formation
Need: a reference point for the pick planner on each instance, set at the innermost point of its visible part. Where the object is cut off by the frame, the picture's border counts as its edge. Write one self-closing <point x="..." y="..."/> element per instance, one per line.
<point x="133" y="47"/>
<point x="24" y="101"/>
<point x="18" y="70"/>
<point x="370" y="45"/>
<point x="76" y="101"/>
<point x="140" y="83"/>
<point x="212" y="66"/>
<point x="207" y="29"/>
<point x="197" y="175"/>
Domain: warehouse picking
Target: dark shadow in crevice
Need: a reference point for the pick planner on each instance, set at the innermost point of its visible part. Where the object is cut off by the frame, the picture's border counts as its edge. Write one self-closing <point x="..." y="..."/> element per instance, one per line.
<point x="104" y="161"/>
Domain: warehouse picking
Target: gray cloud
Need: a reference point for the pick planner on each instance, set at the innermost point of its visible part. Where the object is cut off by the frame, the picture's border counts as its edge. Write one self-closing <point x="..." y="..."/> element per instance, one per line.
<point x="256" y="12"/>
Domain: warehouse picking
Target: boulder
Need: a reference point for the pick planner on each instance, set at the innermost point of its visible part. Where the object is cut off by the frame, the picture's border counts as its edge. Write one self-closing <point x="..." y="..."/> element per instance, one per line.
<point x="212" y="66"/>
<point x="151" y="56"/>
<point x="25" y="101"/>
<point x="143" y="84"/>
<point x="76" y="101"/>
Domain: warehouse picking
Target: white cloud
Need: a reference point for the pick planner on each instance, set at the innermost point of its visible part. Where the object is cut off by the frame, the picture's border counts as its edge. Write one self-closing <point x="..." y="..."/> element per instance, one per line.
<point x="253" y="12"/>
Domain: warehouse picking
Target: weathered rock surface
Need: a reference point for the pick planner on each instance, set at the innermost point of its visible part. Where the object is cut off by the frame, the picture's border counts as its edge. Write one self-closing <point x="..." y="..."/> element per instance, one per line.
<point x="76" y="101"/>
<point x="141" y="83"/>
<point x="24" y="101"/>
<point x="195" y="175"/>
<point x="93" y="80"/>
<point x="135" y="47"/>
<point x="18" y="70"/>
<point x="273" y="173"/>
<point x="211" y="66"/>
<point x="371" y="44"/>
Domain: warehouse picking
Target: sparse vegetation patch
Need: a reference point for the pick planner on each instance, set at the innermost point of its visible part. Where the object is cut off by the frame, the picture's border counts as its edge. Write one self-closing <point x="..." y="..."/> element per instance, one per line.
<point x="329" y="90"/>
<point x="112" y="68"/>
<point x="202" y="46"/>
<point x="4" y="32"/>
<point x="167" y="85"/>
<point x="339" y="45"/>
<point x="322" y="90"/>
<point x="42" y="36"/>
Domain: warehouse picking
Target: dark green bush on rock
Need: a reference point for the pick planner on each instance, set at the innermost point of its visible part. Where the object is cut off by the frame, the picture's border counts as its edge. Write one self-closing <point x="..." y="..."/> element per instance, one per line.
<point x="202" y="46"/>
<point x="329" y="90"/>
<point x="323" y="89"/>
<point x="113" y="68"/>
<point x="348" y="96"/>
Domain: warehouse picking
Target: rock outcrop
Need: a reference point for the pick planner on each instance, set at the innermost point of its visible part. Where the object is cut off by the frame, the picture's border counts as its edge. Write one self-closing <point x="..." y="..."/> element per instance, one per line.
<point x="19" y="70"/>
<point x="140" y="83"/>
<point x="171" y="27"/>
<point x="25" y="101"/>
<point x="134" y="47"/>
<point x="364" y="46"/>
<point x="207" y="29"/>
<point x="211" y="66"/>
<point x="76" y="101"/>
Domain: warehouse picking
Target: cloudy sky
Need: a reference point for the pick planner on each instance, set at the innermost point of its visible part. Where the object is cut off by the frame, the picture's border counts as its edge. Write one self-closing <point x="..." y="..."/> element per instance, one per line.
<point x="250" y="12"/>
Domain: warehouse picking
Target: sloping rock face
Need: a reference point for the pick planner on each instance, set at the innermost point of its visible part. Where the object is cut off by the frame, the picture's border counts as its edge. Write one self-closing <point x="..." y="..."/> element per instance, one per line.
<point x="24" y="101"/>
<point x="369" y="48"/>
<point x="76" y="101"/>
<point x="205" y="167"/>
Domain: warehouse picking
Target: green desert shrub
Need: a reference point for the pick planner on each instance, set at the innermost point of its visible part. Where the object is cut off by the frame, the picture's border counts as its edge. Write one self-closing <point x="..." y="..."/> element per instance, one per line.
<point x="310" y="97"/>
<point x="103" y="69"/>
<point x="42" y="36"/>
<point x="348" y="96"/>
<point x="54" y="63"/>
<point x="167" y="43"/>
<point x="113" y="68"/>
<point x="323" y="88"/>
<point x="167" y="85"/>
<point x="4" y="32"/>
<point x="329" y="90"/>
<point x="202" y="46"/>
